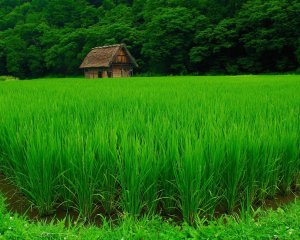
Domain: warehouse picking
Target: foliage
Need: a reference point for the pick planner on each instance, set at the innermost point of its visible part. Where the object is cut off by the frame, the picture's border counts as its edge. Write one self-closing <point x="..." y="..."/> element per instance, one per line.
<point x="167" y="37"/>
<point x="174" y="28"/>
<point x="7" y="78"/>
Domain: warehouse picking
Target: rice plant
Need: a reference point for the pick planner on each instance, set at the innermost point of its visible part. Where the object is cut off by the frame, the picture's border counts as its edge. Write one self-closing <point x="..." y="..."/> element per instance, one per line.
<point x="185" y="146"/>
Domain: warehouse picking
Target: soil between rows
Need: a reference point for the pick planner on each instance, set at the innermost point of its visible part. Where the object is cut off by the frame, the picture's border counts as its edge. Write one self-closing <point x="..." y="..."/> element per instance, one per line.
<point x="17" y="203"/>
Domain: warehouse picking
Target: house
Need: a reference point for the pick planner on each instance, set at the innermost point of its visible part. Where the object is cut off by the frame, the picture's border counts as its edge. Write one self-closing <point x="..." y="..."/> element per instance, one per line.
<point x="109" y="62"/>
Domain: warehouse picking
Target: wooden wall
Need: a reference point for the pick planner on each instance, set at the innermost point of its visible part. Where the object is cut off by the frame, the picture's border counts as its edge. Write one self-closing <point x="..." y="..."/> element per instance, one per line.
<point x="116" y="72"/>
<point x="122" y="65"/>
<point x="122" y="57"/>
<point x="91" y="73"/>
<point x="104" y="74"/>
<point x="121" y="71"/>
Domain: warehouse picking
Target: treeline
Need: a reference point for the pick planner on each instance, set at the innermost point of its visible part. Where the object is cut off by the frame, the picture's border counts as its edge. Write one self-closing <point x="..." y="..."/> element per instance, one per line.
<point x="51" y="37"/>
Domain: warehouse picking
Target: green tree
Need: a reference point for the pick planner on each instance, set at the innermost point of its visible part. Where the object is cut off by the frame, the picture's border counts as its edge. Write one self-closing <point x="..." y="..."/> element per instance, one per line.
<point x="3" y="70"/>
<point x="168" y="36"/>
<point x="267" y="32"/>
<point x="215" y="47"/>
<point x="35" y="61"/>
<point x="65" y="55"/>
<point x="16" y="56"/>
<point x="64" y="13"/>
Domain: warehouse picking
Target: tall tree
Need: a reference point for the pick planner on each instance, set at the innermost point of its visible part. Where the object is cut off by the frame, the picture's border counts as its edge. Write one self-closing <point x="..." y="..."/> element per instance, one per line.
<point x="41" y="37"/>
<point x="167" y="39"/>
<point x="268" y="33"/>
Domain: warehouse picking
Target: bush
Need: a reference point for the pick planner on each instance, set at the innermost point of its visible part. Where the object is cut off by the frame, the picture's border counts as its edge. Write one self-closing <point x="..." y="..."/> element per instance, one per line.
<point x="6" y="78"/>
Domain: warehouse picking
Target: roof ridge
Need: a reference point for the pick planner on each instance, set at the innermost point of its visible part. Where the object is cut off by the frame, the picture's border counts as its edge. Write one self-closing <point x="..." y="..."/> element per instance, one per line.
<point x="109" y="46"/>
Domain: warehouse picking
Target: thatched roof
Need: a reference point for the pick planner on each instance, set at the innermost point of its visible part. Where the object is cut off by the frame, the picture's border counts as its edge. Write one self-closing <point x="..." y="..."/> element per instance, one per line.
<point x="104" y="56"/>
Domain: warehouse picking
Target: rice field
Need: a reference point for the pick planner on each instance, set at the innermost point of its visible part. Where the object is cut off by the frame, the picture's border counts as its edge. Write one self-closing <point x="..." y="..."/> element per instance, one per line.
<point x="186" y="146"/>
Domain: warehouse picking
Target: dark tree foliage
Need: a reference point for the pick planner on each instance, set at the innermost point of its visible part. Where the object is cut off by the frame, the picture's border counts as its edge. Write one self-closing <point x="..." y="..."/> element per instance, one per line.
<point x="49" y="37"/>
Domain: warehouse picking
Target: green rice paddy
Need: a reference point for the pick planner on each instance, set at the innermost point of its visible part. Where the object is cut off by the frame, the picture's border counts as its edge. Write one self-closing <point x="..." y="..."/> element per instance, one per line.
<point x="184" y="146"/>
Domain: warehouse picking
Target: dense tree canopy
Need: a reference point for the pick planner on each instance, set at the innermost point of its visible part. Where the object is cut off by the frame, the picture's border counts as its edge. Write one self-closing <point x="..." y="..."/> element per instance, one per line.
<point x="51" y="37"/>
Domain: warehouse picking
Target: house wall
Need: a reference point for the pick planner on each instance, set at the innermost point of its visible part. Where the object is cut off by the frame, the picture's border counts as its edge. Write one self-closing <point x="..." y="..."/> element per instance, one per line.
<point x="117" y="71"/>
<point x="121" y="65"/>
<point x="91" y="73"/>
<point x="104" y="74"/>
<point x="126" y="72"/>
<point x="121" y="71"/>
<point x="121" y="57"/>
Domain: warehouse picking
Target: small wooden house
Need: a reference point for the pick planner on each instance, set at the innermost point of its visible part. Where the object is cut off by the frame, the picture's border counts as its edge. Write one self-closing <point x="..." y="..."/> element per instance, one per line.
<point x="109" y="62"/>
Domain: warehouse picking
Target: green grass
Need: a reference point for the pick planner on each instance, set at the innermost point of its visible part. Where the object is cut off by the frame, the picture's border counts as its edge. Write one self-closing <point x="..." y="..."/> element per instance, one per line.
<point x="280" y="224"/>
<point x="147" y="146"/>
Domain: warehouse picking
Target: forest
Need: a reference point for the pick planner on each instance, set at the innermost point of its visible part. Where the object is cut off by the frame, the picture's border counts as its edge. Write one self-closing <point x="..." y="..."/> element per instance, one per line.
<point x="167" y="37"/>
